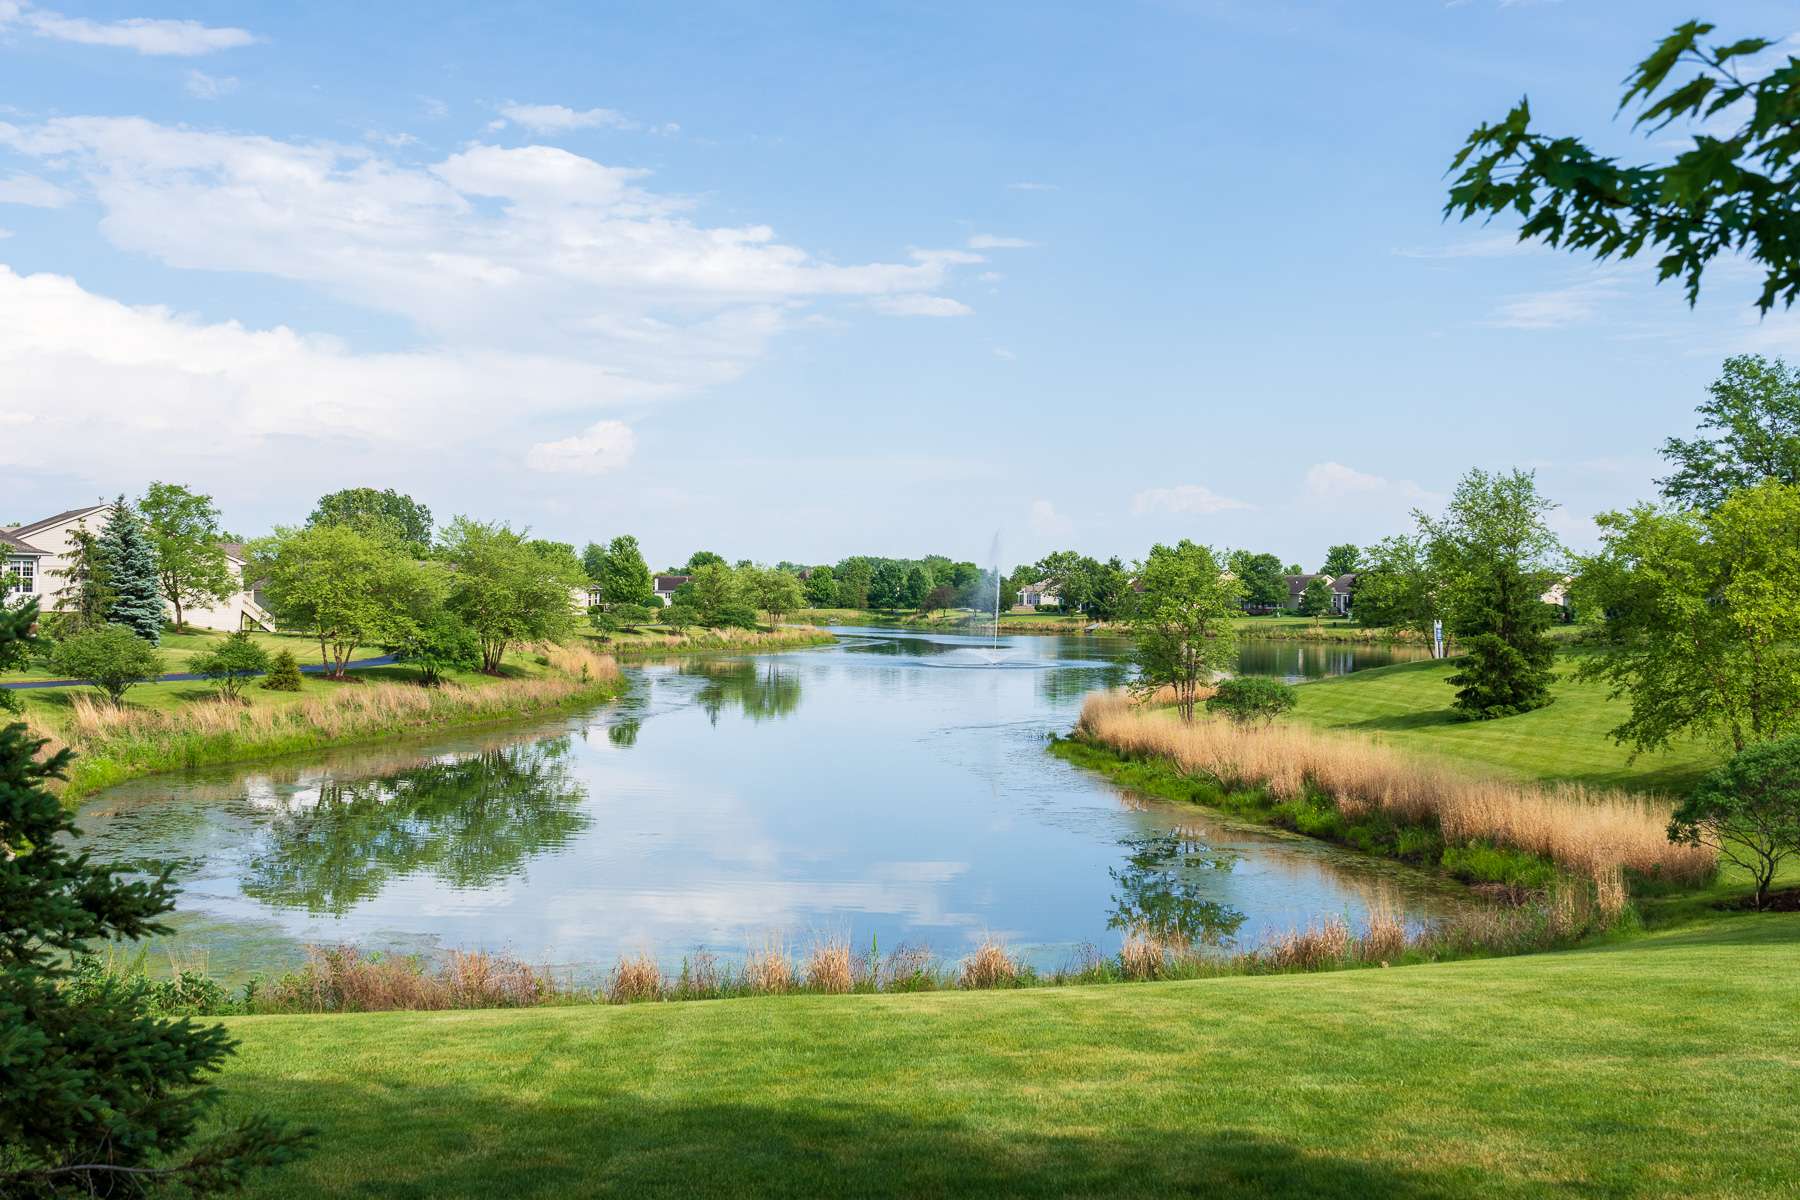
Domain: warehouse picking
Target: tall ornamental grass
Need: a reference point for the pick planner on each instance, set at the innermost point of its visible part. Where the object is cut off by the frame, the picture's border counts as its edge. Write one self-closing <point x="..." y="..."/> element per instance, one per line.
<point x="1592" y="833"/>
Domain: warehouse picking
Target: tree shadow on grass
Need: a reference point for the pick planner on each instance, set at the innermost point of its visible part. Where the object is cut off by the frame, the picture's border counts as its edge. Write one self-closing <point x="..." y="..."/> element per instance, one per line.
<point x="441" y="1143"/>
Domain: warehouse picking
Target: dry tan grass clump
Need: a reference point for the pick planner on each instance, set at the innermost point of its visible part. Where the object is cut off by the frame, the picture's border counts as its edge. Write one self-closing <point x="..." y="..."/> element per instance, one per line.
<point x="1384" y="938"/>
<point x="633" y="979"/>
<point x="577" y="661"/>
<point x="828" y="967"/>
<point x="344" y="979"/>
<point x="1166" y="696"/>
<point x="1144" y="956"/>
<point x="989" y="967"/>
<point x="1588" y="832"/>
<point x="768" y="970"/>
<point x="1317" y="946"/>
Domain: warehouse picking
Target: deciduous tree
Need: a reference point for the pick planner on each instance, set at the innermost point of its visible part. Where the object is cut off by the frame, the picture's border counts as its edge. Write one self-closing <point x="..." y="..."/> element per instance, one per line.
<point x="505" y="590"/>
<point x="191" y="566"/>
<point x="1183" y="623"/>
<point x="1754" y="416"/>
<point x="386" y="513"/>
<point x="1749" y="811"/>
<point x="111" y="657"/>
<point x="344" y="587"/>
<point x="624" y="575"/>
<point x="1341" y="559"/>
<point x="231" y="663"/>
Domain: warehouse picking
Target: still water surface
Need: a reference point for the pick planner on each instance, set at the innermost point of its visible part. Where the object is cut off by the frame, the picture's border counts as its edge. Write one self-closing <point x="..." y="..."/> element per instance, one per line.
<point x="894" y="786"/>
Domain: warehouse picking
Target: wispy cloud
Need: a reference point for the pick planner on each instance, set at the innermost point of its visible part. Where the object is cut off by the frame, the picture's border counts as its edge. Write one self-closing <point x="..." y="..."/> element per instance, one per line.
<point x="145" y="35"/>
<point x="1047" y="522"/>
<point x="604" y="446"/>
<point x="1555" y="307"/>
<point x="989" y="241"/>
<point x="33" y="192"/>
<point x="1194" y="498"/>
<point x="1029" y="186"/>
<point x="202" y="86"/>
<point x="921" y="306"/>
<point x="1333" y="481"/>
<point x="1487" y="245"/>
<point x="558" y="118"/>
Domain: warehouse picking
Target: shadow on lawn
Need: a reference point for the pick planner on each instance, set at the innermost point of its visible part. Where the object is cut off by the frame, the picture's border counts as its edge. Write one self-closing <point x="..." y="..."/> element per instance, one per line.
<point x="442" y="1143"/>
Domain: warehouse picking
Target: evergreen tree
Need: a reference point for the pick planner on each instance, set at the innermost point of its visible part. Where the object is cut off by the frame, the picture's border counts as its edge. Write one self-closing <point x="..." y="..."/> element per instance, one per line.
<point x="84" y="591"/>
<point x="284" y="673"/>
<point x="131" y="569"/>
<point x="100" y="1097"/>
<point x="624" y="575"/>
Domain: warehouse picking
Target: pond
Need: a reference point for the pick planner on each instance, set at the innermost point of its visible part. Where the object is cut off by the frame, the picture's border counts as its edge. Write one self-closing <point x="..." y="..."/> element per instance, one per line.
<point x="893" y="787"/>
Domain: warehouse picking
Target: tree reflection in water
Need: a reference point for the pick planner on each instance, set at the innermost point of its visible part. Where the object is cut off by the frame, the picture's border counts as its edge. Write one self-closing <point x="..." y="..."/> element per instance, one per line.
<point x="763" y="691"/>
<point x="1161" y="890"/>
<point x="465" y="821"/>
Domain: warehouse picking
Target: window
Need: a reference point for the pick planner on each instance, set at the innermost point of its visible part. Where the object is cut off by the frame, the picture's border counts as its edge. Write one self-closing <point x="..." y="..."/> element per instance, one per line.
<point x="21" y="575"/>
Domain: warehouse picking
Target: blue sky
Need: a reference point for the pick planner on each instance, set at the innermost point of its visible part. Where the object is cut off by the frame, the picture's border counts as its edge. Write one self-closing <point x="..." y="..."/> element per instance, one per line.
<point x="806" y="280"/>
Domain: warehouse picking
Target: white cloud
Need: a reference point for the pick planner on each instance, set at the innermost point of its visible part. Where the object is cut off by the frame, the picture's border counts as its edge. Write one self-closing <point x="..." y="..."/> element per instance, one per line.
<point x="1184" y="498"/>
<point x="273" y="403"/>
<point x="1047" y="522"/>
<point x="32" y="191"/>
<point x="918" y="305"/>
<point x="1028" y="186"/>
<point x="989" y="241"/>
<point x="202" y="86"/>
<point x="1003" y="352"/>
<point x="605" y="446"/>
<point x="1487" y="245"/>
<point x="1336" y="482"/>
<point x="145" y="35"/>
<point x="1554" y="307"/>
<point x="556" y="118"/>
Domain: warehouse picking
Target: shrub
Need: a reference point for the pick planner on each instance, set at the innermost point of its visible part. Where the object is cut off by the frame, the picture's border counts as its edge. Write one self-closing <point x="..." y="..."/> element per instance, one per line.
<point x="1748" y="810"/>
<point x="1252" y="698"/>
<point x="828" y="967"/>
<point x="631" y="614"/>
<point x="112" y="658"/>
<point x="284" y="673"/>
<point x="231" y="663"/>
<point x="439" y="645"/>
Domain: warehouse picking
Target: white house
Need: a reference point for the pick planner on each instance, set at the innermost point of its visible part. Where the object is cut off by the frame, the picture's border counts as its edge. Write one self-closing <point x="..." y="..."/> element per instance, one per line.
<point x="1042" y="594"/>
<point x="37" y="551"/>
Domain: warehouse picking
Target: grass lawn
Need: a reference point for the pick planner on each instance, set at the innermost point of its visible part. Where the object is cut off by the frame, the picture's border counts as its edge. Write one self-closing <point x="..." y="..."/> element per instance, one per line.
<point x="179" y="649"/>
<point x="1664" y="1066"/>
<point x="1409" y="705"/>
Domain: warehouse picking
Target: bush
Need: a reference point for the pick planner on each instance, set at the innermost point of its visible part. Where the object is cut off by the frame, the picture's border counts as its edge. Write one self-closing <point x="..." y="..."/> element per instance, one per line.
<point x="112" y="658"/>
<point x="1748" y="810"/>
<point x="284" y="673"/>
<point x="231" y="663"/>
<point x="631" y="614"/>
<point x="441" y="644"/>
<point x="1250" y="698"/>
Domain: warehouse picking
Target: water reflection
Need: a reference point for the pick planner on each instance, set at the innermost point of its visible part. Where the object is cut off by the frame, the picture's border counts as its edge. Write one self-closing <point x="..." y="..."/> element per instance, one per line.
<point x="1166" y="888"/>
<point x="762" y="690"/>
<point x="465" y="822"/>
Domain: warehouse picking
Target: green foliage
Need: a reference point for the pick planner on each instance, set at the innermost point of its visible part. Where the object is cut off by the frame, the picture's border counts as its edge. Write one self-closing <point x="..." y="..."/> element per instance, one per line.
<point x="632" y="614"/>
<point x="134" y="586"/>
<point x="438" y="644"/>
<point x="1749" y="811"/>
<point x="1341" y="559"/>
<point x="345" y="587"/>
<point x="775" y="591"/>
<point x="284" y="673"/>
<point x="719" y="598"/>
<point x="112" y="657"/>
<point x="84" y="588"/>
<point x="184" y="528"/>
<point x="1395" y="589"/>
<point x="1492" y="557"/>
<point x="1755" y="411"/>
<point x="1182" y="624"/>
<point x="385" y="514"/>
<point x="1478" y="862"/>
<point x="100" y="1096"/>
<point x="938" y="598"/>
<point x="1315" y="598"/>
<point x="624" y="575"/>
<point x="915" y="589"/>
<point x="822" y="588"/>
<point x="1262" y="579"/>
<point x="232" y="662"/>
<point x="593" y="561"/>
<point x="1247" y="699"/>
<point x="504" y="590"/>
<point x="702" y="558"/>
<point x="1698" y="618"/>
<point x="1734" y="192"/>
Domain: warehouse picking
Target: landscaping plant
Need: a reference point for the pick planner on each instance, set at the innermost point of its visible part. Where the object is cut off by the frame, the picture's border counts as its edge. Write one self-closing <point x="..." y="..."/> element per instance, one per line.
<point x="1249" y="699"/>
<point x="231" y="664"/>
<point x="112" y="657"/>
<point x="284" y="673"/>
<point x="1749" y="811"/>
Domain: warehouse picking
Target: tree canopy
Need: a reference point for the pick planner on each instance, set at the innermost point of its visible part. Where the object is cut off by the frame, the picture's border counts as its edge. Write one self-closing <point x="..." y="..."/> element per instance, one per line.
<point x="184" y="529"/>
<point x="1735" y="191"/>
<point x="344" y="587"/>
<point x="506" y="588"/>
<point x="1183" y="624"/>
<point x="1754" y="413"/>
<point x="386" y="511"/>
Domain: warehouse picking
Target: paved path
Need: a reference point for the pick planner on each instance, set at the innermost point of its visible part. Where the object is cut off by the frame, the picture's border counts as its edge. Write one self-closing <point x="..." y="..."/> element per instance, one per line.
<point x="190" y="677"/>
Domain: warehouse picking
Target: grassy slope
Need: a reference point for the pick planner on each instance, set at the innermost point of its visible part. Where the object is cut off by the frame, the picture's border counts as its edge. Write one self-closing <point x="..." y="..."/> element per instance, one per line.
<point x="179" y="649"/>
<point x="1661" y="1066"/>
<point x="1409" y="706"/>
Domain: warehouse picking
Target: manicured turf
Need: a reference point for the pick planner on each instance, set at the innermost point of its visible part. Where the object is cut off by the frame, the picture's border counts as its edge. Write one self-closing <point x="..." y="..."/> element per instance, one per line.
<point x="1409" y="706"/>
<point x="1662" y="1066"/>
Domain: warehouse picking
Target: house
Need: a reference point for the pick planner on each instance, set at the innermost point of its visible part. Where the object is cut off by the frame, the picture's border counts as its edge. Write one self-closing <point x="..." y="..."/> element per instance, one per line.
<point x="1341" y="588"/>
<point x="36" y="553"/>
<point x="1042" y="594"/>
<point x="665" y="586"/>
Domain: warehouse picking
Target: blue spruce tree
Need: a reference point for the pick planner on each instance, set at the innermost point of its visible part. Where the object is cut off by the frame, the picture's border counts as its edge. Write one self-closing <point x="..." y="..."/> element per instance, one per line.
<point x="130" y="559"/>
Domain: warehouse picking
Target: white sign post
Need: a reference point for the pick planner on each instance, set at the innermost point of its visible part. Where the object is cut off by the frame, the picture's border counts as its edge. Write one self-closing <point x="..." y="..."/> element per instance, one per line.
<point x="1437" y="639"/>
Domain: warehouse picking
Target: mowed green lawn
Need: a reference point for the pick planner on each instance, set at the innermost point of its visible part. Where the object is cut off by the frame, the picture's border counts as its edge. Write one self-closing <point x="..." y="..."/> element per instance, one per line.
<point x="1661" y="1066"/>
<point x="1409" y="706"/>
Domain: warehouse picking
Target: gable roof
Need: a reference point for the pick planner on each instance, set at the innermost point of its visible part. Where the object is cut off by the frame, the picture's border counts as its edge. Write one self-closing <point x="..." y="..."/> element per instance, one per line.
<point x="18" y="547"/>
<point x="669" y="583"/>
<point x="25" y="531"/>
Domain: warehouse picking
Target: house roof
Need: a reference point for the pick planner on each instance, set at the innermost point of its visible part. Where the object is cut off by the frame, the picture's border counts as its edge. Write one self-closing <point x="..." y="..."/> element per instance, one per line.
<point x="25" y="531"/>
<point x="18" y="547"/>
<point x="668" y="583"/>
<point x="235" y="550"/>
<point x="1344" y="582"/>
